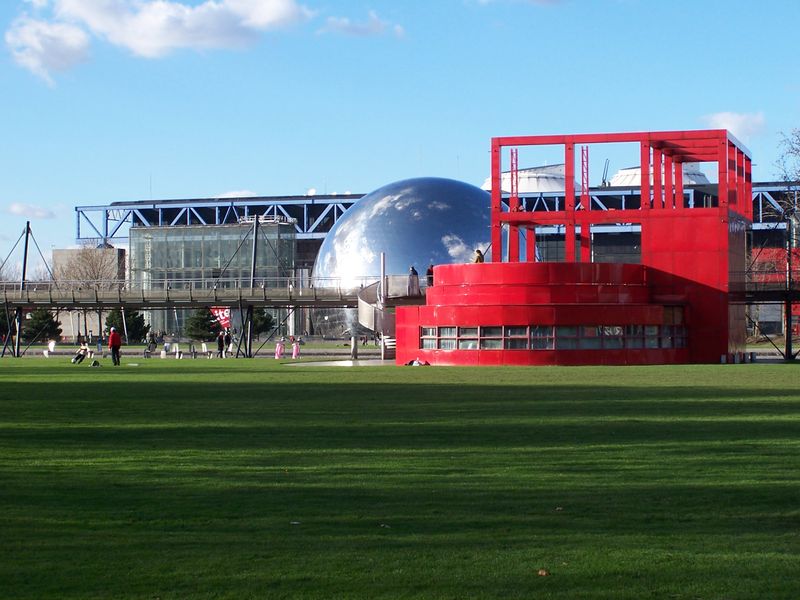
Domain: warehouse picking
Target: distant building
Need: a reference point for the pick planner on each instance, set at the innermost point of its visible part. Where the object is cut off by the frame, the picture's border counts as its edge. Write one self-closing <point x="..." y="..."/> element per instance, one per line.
<point x="532" y="180"/>
<point x="88" y="268"/>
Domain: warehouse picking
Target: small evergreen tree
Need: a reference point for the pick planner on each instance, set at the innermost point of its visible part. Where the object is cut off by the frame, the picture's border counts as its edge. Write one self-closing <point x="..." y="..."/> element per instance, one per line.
<point x="263" y="321"/>
<point x="41" y="326"/>
<point x="6" y="323"/>
<point x="134" y="320"/>
<point x="202" y="326"/>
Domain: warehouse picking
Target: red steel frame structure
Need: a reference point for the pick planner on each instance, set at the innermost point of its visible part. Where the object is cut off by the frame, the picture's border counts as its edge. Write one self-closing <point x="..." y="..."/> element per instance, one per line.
<point x="692" y="267"/>
<point x="668" y="149"/>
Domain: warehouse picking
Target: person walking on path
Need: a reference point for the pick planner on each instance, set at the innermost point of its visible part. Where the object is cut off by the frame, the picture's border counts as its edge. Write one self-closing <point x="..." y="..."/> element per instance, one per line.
<point x="227" y="341"/>
<point x="114" y="344"/>
<point x="221" y="345"/>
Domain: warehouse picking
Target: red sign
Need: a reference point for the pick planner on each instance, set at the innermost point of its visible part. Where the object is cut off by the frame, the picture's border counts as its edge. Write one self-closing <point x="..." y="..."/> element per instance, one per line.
<point x="223" y="315"/>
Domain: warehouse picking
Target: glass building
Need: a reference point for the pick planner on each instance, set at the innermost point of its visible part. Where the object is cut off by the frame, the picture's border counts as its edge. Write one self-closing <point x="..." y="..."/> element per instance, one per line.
<point x="207" y="256"/>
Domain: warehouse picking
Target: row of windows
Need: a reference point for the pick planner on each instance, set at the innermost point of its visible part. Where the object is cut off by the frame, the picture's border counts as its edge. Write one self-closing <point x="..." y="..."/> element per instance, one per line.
<point x="553" y="337"/>
<point x="209" y="247"/>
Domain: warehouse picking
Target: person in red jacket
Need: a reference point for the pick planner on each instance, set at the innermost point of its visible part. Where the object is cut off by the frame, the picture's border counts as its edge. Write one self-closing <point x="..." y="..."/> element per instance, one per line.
<point x="114" y="343"/>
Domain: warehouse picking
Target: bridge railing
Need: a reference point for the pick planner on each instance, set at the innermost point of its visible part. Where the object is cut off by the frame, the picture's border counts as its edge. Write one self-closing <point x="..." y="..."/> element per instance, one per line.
<point x="194" y="292"/>
<point x="770" y="279"/>
<point x="152" y="284"/>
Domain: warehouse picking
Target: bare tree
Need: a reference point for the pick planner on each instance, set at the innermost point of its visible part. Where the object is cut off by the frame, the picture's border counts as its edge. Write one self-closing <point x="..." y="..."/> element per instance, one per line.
<point x="783" y="211"/>
<point x="40" y="273"/>
<point x="9" y="273"/>
<point x="789" y="161"/>
<point x="88" y="267"/>
<point x="788" y="167"/>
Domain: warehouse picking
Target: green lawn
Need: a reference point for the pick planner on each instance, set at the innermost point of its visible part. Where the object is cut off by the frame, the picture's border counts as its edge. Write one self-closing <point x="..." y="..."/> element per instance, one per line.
<point x="252" y="479"/>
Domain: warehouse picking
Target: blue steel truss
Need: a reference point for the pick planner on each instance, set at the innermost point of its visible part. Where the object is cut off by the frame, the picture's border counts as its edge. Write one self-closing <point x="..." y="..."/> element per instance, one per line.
<point x="313" y="216"/>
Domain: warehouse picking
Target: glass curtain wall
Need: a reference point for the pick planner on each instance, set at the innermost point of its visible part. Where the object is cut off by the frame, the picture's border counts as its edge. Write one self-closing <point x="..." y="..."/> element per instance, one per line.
<point x="207" y="256"/>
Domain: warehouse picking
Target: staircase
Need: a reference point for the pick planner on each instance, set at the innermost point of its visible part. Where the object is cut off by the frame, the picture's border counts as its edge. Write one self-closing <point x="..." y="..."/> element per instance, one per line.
<point x="376" y="313"/>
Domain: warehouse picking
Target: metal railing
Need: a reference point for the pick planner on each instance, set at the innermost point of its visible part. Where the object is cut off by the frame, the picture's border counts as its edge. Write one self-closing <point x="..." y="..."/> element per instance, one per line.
<point x="171" y="292"/>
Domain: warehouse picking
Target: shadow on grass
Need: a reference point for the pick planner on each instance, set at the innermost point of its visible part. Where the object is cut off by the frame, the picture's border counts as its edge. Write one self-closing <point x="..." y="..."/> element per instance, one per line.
<point x="371" y="489"/>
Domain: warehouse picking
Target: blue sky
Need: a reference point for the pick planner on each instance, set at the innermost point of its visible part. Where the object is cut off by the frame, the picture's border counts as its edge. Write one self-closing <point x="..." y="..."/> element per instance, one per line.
<point x="110" y="100"/>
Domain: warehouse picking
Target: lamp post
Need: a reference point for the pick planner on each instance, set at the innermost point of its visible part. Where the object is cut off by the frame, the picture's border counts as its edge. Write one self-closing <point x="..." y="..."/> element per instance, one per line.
<point x="788" y="350"/>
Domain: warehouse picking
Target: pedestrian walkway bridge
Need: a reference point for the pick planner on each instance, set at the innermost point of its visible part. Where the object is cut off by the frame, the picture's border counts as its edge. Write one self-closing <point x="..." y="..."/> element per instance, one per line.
<point x="272" y="292"/>
<point x="101" y="295"/>
<point x="363" y="293"/>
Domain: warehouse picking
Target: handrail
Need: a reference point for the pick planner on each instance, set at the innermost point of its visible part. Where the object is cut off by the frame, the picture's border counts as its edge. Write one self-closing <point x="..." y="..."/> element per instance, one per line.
<point x="172" y="283"/>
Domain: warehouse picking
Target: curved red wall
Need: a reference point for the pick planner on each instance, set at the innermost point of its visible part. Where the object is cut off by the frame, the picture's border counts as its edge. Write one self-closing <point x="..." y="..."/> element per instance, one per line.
<point x="539" y="294"/>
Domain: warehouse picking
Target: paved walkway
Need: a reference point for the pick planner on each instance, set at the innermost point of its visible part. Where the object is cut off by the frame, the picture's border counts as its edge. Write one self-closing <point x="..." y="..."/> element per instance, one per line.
<point x="367" y="362"/>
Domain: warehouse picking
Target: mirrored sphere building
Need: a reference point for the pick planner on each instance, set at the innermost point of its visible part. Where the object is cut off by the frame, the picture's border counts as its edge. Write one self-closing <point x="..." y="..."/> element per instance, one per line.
<point x="415" y="222"/>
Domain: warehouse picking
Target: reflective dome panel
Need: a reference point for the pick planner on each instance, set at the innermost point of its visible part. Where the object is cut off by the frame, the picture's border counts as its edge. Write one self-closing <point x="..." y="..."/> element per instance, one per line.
<point x="422" y="221"/>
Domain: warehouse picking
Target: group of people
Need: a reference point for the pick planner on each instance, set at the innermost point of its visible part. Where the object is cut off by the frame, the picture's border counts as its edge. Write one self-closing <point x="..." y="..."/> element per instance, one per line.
<point x="114" y="346"/>
<point x="413" y="276"/>
<point x="280" y="346"/>
<point x="224" y="346"/>
<point x="413" y="280"/>
<point x="224" y="343"/>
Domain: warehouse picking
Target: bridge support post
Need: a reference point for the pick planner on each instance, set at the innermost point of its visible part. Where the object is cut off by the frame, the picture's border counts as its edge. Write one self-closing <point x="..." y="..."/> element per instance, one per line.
<point x="248" y="330"/>
<point x="18" y="330"/>
<point x="788" y="350"/>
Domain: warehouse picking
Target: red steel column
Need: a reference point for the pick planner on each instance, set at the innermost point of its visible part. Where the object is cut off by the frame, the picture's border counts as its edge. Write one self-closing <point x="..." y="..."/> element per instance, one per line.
<point x="722" y="176"/>
<point x="569" y="202"/>
<point x="513" y="206"/>
<point x="496" y="232"/>
<point x="679" y="186"/>
<point x="732" y="175"/>
<point x="513" y="243"/>
<point x="586" y="242"/>
<point x="644" y="170"/>
<point x="669" y="190"/>
<point x="586" y="202"/>
<point x="530" y="243"/>
<point x="658" y="201"/>
<point x="741" y="199"/>
<point x="748" y="188"/>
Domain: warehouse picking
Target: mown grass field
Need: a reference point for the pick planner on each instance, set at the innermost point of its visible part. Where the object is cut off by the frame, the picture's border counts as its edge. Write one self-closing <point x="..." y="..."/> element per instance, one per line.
<point x="252" y="479"/>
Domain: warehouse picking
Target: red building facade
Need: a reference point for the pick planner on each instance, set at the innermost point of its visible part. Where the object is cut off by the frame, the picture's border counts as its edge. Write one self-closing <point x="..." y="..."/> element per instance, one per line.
<point x="678" y="305"/>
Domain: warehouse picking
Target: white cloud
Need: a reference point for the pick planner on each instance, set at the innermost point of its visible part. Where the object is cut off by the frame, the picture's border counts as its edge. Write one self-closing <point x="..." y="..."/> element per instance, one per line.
<point x="264" y="14"/>
<point x="457" y="248"/>
<point x="30" y="211"/>
<point x="742" y="125"/>
<point x="58" y="38"/>
<point x="43" y="47"/>
<point x="237" y="194"/>
<point x="374" y="25"/>
<point x="154" y="28"/>
<point x="148" y="28"/>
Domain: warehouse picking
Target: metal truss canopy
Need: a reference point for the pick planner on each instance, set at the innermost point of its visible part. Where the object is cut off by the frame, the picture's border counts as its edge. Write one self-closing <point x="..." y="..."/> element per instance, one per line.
<point x="313" y="216"/>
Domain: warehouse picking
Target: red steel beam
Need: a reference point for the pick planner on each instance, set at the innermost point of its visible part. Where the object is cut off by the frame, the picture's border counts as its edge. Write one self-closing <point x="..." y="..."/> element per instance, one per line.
<point x="497" y="193"/>
<point x="569" y="201"/>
